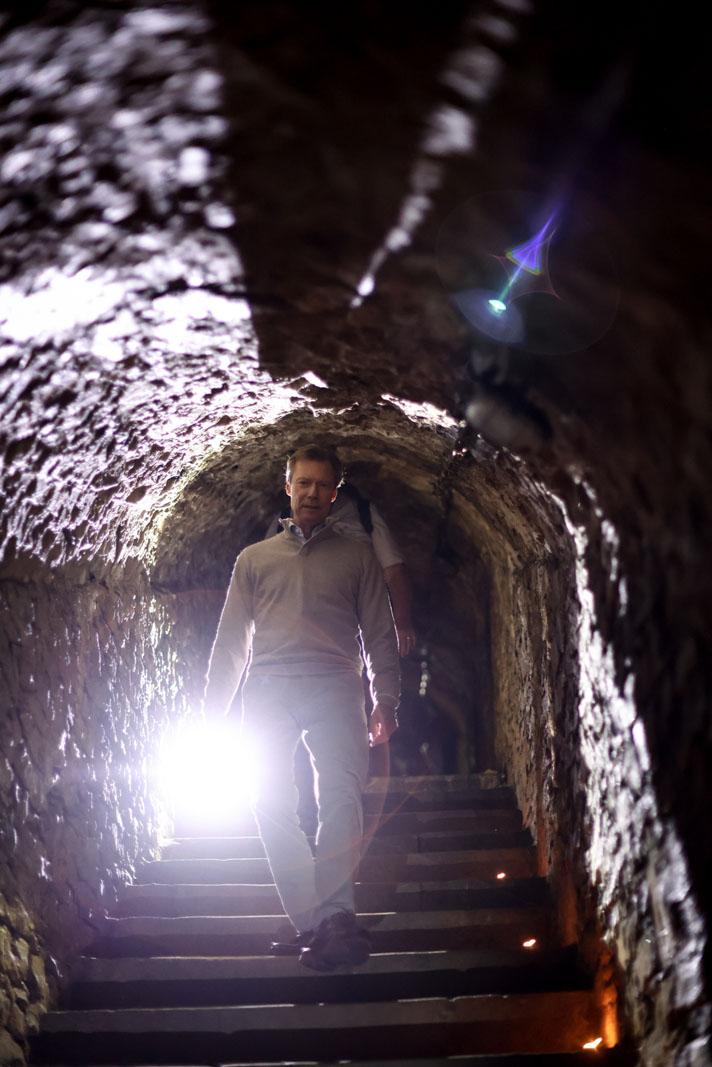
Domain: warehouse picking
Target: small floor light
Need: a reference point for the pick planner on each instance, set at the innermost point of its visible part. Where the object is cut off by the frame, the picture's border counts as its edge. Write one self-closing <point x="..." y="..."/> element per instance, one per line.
<point x="593" y="1046"/>
<point x="501" y="875"/>
<point x="529" y="943"/>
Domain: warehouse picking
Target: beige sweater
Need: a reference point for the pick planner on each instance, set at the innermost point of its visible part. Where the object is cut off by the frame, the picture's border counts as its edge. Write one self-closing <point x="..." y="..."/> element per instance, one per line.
<point x="301" y="607"/>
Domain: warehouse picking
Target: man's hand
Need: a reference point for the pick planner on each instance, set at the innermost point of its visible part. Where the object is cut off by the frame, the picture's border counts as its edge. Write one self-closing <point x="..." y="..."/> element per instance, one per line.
<point x="383" y="724"/>
<point x="406" y="639"/>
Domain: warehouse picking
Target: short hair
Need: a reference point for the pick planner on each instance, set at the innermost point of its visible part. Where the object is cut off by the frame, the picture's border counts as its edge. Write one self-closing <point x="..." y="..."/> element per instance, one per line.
<point x="321" y="455"/>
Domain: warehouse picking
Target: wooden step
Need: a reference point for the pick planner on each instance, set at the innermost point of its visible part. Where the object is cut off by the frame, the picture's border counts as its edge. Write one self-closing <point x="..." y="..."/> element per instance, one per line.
<point x="484" y="864"/>
<point x="233" y="935"/>
<point x="251" y="847"/>
<point x="234" y="899"/>
<point x="521" y="1023"/>
<point x="198" y="980"/>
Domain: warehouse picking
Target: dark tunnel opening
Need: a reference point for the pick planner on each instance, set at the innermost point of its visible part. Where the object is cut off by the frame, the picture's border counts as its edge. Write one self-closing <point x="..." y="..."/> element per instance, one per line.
<point x="216" y="518"/>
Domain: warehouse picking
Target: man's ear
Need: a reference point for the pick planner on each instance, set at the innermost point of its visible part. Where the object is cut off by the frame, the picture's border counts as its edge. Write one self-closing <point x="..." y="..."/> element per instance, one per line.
<point x="288" y="489"/>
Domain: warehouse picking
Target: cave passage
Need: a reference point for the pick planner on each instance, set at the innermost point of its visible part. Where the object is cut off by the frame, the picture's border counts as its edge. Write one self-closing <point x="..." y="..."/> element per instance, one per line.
<point x="229" y="230"/>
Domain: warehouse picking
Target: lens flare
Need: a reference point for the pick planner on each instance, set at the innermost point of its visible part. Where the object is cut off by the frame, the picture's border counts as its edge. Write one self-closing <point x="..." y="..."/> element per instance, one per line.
<point x="530" y="271"/>
<point x="487" y="311"/>
<point x="531" y="256"/>
<point x="206" y="770"/>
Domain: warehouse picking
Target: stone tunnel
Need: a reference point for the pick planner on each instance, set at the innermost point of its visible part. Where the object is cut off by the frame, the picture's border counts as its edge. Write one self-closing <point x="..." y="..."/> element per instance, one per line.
<point x="228" y="230"/>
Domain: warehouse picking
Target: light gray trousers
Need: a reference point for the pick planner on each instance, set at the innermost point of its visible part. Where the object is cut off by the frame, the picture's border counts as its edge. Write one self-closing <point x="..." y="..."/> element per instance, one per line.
<point x="328" y="712"/>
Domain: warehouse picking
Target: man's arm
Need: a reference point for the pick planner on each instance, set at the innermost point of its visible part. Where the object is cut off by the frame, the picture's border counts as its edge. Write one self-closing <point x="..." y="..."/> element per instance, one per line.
<point x="380" y="649"/>
<point x="231" y="647"/>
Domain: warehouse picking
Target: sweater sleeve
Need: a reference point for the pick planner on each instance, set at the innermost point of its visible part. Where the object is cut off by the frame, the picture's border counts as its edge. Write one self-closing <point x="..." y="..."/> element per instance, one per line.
<point x="378" y="634"/>
<point x="231" y="647"/>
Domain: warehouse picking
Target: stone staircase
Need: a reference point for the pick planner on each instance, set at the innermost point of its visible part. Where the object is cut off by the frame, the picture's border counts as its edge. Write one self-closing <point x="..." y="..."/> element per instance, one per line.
<point x="465" y="961"/>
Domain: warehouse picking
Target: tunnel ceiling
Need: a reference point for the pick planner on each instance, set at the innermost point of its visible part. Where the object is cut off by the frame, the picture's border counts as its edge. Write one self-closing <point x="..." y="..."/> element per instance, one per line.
<point x="211" y="242"/>
<point x="205" y="234"/>
<point x="410" y="462"/>
<point x="140" y="335"/>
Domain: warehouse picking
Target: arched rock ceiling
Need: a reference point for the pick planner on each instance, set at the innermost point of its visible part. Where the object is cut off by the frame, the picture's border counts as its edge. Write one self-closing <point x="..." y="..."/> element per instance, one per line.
<point x="411" y="464"/>
<point x="191" y="209"/>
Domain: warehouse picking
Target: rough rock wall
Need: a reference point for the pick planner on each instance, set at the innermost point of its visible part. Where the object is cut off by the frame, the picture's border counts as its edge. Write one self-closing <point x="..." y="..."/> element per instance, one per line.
<point x="89" y="678"/>
<point x="574" y="736"/>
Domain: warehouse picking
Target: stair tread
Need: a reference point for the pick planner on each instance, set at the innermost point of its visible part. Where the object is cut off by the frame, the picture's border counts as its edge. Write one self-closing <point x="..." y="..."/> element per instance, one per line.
<point x="193" y="888"/>
<point x="418" y="858"/>
<point x="409" y="783"/>
<point x="452" y="818"/>
<point x="232" y="1018"/>
<point x="472" y="798"/>
<point x="604" y="1057"/>
<point x="516" y="1059"/>
<point x="387" y="804"/>
<point x="484" y="863"/>
<point x="424" y="816"/>
<point x="250" y="846"/>
<point x="257" y="898"/>
<point x="228" y="935"/>
<point x="531" y="1059"/>
<point x="193" y="968"/>
<point x="385" y="920"/>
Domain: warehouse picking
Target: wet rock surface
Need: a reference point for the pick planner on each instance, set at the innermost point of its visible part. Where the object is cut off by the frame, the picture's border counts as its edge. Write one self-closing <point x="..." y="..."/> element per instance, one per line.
<point x="219" y="240"/>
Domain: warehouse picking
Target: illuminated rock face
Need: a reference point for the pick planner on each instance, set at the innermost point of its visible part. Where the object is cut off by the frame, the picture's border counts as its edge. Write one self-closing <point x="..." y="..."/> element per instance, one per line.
<point x="215" y="247"/>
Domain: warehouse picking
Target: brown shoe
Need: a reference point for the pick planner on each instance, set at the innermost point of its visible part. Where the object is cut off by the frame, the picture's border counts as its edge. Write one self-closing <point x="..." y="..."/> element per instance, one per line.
<point x="338" y="942"/>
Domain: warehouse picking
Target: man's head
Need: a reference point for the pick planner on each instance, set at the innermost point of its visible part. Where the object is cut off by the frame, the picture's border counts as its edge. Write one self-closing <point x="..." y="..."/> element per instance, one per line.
<point x="313" y="477"/>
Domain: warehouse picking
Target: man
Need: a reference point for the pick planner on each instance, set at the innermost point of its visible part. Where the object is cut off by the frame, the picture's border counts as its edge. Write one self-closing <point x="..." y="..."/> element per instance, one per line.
<point x="354" y="516"/>
<point x="300" y="600"/>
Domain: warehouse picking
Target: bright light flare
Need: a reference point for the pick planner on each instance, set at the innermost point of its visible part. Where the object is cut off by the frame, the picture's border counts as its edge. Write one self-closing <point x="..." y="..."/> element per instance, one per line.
<point x="529" y="943"/>
<point x="592" y="1046"/>
<point x="501" y="875"/>
<point x="206" y="769"/>
<point x="498" y="306"/>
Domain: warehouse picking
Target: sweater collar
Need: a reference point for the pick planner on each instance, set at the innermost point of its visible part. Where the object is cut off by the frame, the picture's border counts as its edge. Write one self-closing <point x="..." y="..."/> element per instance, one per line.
<point x="290" y="526"/>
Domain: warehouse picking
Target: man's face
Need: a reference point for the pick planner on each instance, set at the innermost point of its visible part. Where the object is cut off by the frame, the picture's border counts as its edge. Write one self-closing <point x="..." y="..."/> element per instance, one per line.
<point x="312" y="491"/>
